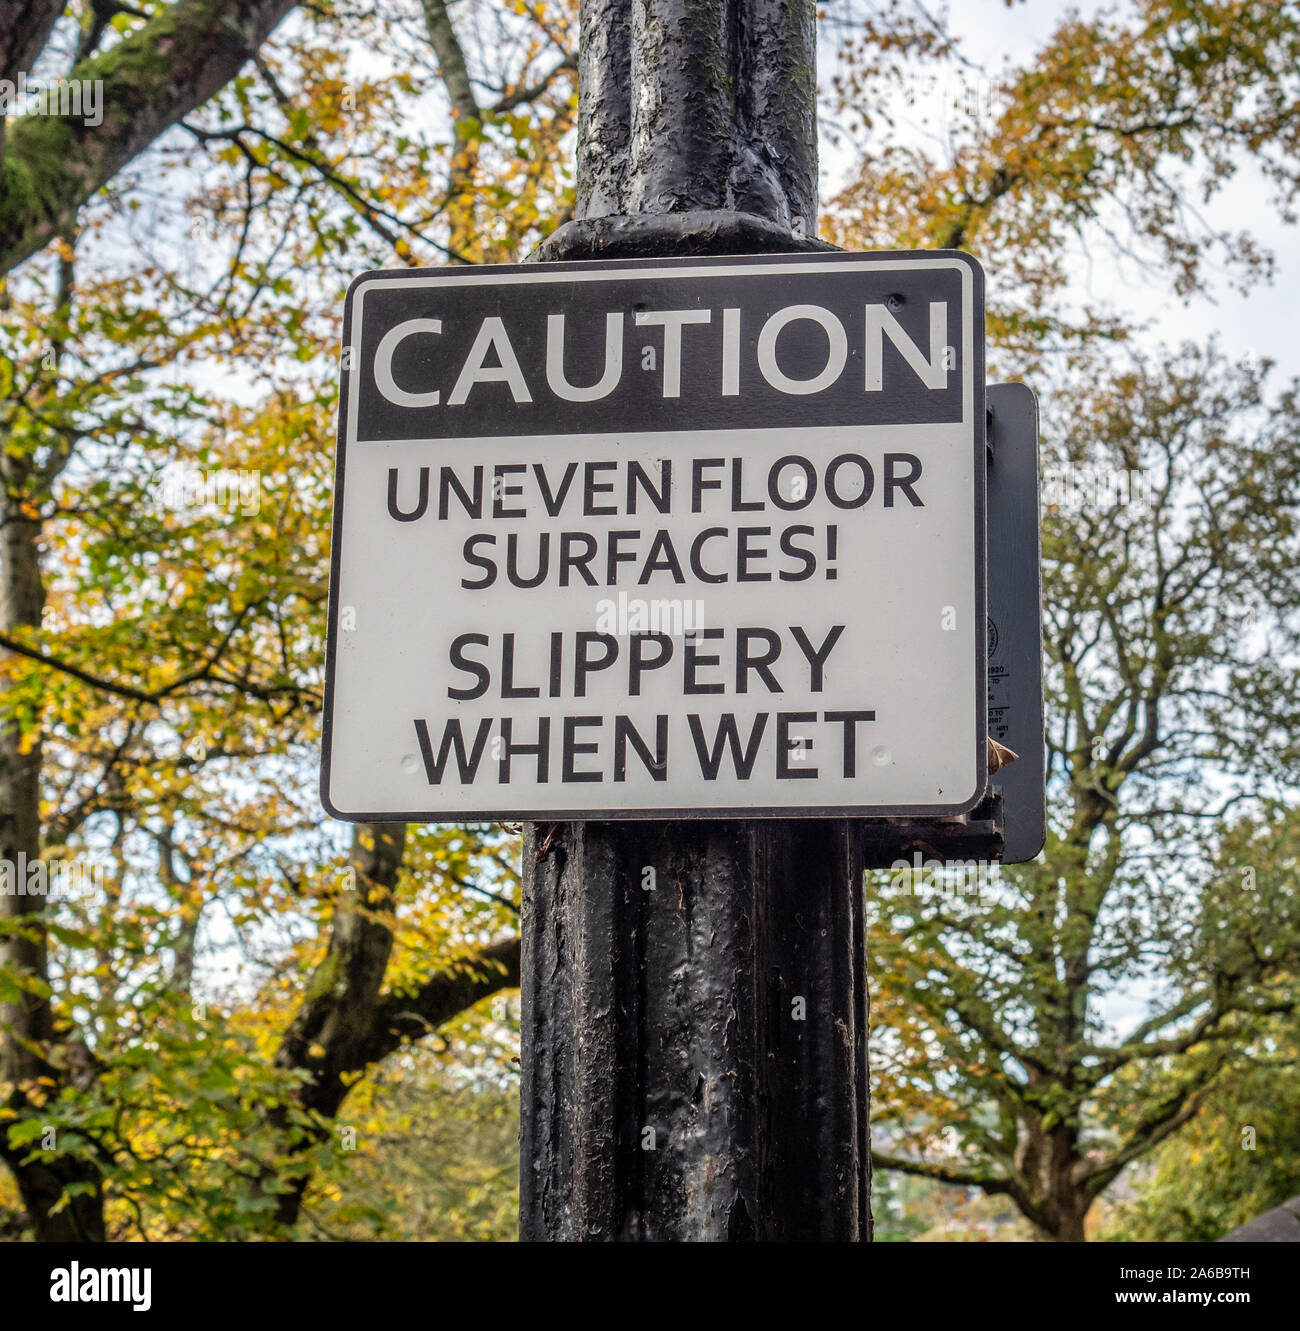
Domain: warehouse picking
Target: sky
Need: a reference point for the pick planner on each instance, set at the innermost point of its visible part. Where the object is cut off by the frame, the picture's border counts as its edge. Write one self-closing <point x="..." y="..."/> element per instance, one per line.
<point x="992" y="35"/>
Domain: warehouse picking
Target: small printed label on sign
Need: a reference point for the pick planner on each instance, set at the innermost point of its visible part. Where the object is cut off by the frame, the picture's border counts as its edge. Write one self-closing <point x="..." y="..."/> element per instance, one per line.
<point x="660" y="539"/>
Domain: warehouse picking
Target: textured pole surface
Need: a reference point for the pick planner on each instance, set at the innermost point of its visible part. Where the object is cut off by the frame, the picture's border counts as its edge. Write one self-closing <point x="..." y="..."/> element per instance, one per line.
<point x="694" y="993"/>
<point x="697" y="129"/>
<point x="696" y="105"/>
<point x="694" y="1038"/>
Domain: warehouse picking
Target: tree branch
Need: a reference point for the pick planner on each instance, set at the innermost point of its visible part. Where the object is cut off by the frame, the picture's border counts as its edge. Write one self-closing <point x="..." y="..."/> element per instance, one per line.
<point x="989" y="1183"/>
<point x="150" y="80"/>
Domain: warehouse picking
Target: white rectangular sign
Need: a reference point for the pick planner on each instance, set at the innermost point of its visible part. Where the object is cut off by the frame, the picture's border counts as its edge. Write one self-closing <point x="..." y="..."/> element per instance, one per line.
<point x="669" y="538"/>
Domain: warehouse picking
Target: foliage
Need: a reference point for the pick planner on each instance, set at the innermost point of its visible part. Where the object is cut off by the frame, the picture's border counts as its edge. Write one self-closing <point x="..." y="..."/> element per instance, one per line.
<point x="1107" y="141"/>
<point x="1169" y="622"/>
<point x="169" y="367"/>
<point x="1235" y="1160"/>
<point x="434" y="1157"/>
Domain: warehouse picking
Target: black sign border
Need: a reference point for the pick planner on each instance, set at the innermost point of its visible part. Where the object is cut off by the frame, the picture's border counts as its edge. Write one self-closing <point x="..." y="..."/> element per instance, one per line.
<point x="886" y="258"/>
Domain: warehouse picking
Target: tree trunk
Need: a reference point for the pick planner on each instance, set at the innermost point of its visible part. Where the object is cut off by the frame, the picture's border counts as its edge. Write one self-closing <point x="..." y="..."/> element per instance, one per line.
<point x="337" y="1015"/>
<point x="462" y="168"/>
<point x="27" y="1028"/>
<point x="1066" y="1213"/>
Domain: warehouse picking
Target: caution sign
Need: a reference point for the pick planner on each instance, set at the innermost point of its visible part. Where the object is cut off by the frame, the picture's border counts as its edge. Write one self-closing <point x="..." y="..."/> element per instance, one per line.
<point x="688" y="538"/>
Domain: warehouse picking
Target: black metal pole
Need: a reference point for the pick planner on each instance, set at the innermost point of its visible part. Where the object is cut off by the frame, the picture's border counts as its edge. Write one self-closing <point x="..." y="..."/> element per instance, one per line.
<point x="694" y="994"/>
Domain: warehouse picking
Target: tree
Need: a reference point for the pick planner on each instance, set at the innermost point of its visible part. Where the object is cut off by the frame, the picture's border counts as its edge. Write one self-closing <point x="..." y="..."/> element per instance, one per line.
<point x="1166" y="619"/>
<point x="1104" y="143"/>
<point x="993" y="1063"/>
<point x="1237" y="1158"/>
<point x="162" y="659"/>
